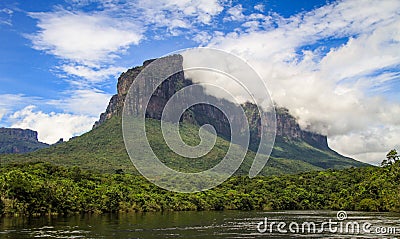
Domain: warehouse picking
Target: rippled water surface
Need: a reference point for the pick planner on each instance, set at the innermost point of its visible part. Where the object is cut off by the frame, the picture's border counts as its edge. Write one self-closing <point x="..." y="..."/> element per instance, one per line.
<point x="225" y="224"/>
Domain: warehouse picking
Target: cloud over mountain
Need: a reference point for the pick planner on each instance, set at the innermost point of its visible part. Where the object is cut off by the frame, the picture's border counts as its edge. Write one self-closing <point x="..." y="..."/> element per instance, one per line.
<point x="335" y="66"/>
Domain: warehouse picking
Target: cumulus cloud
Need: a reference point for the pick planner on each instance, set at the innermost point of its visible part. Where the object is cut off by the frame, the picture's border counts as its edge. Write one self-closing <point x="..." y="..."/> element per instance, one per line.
<point x="81" y="109"/>
<point x="53" y="126"/>
<point x="328" y="87"/>
<point x="88" y="40"/>
<point x="202" y="37"/>
<point x="84" y="38"/>
<point x="235" y="13"/>
<point x="103" y="35"/>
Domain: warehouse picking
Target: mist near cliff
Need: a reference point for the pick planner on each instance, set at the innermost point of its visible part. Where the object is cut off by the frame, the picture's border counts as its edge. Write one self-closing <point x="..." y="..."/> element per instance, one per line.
<point x="357" y="124"/>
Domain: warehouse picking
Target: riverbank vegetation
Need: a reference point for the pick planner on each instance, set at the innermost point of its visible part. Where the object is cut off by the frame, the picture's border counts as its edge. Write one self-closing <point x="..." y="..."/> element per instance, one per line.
<point x="43" y="188"/>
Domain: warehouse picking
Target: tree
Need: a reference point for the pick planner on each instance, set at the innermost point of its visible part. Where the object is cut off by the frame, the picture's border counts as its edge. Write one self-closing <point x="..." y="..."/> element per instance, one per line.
<point x="391" y="158"/>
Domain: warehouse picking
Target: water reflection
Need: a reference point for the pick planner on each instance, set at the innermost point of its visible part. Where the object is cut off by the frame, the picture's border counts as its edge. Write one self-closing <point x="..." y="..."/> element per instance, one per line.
<point x="225" y="224"/>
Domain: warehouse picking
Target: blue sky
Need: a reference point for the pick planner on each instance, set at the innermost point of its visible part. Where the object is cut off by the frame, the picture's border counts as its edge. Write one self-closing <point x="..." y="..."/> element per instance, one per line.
<point x="334" y="64"/>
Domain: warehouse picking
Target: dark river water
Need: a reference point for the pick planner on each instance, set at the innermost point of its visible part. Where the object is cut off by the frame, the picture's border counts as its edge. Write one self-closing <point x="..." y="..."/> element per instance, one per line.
<point x="224" y="224"/>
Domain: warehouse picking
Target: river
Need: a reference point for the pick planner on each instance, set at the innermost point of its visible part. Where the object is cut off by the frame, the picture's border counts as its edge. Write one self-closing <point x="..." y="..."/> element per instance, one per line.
<point x="207" y="224"/>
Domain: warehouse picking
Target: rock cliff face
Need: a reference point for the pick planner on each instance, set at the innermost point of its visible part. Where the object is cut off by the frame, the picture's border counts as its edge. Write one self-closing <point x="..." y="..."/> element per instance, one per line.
<point x="22" y="134"/>
<point x="19" y="141"/>
<point x="287" y="126"/>
<point x="156" y="104"/>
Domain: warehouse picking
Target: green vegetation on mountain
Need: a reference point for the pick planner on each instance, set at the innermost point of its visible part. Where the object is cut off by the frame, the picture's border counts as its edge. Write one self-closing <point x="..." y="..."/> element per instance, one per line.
<point x="42" y="188"/>
<point x="103" y="150"/>
<point x="296" y="149"/>
<point x="19" y="141"/>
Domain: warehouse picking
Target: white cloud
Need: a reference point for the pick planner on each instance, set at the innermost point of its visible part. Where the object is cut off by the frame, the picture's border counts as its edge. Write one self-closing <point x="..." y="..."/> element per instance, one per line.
<point x="82" y="37"/>
<point x="11" y="101"/>
<point x="252" y="25"/>
<point x="53" y="126"/>
<point x="88" y="43"/>
<point x="102" y="35"/>
<point x="89" y="102"/>
<point x="364" y="54"/>
<point x="371" y="145"/>
<point x="329" y="89"/>
<point x="235" y="13"/>
<point x="202" y="37"/>
<point x="82" y="108"/>
<point x="87" y="40"/>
